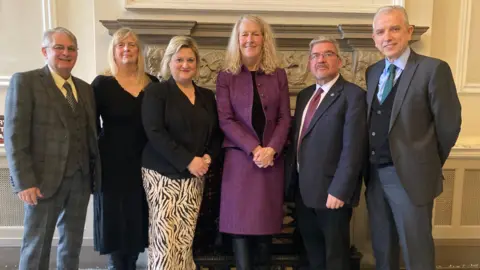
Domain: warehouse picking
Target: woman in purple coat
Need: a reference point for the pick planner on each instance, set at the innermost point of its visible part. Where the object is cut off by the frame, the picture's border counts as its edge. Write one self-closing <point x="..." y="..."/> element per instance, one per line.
<point x="254" y="113"/>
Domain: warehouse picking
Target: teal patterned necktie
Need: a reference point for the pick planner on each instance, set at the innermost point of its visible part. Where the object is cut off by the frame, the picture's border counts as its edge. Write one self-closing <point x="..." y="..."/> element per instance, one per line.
<point x="389" y="83"/>
<point x="70" y="98"/>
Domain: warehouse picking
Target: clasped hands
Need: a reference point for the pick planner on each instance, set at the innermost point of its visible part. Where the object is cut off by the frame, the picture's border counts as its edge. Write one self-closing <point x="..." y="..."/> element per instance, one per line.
<point x="263" y="156"/>
<point x="199" y="165"/>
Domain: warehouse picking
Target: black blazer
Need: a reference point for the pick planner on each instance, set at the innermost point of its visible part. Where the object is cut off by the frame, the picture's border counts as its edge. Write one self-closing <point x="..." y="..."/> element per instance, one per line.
<point x="171" y="144"/>
<point x="332" y="151"/>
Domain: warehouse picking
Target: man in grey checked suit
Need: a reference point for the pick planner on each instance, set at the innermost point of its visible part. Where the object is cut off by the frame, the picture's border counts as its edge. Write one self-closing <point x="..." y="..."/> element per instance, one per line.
<point x="414" y="118"/>
<point x="51" y="146"/>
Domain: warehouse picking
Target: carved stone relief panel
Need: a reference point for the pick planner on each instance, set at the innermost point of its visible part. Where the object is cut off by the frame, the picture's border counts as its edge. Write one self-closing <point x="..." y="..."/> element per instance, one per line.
<point x="153" y="58"/>
<point x="358" y="51"/>
<point x="211" y="62"/>
<point x="361" y="60"/>
<point x="294" y="62"/>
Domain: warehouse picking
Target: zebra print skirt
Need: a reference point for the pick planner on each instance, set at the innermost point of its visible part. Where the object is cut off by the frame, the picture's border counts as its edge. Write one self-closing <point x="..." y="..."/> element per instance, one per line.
<point x="174" y="205"/>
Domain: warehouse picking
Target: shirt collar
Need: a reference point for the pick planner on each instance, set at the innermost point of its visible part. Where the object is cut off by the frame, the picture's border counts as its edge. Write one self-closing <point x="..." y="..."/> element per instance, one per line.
<point x="59" y="81"/>
<point x="400" y="62"/>
<point x="326" y="87"/>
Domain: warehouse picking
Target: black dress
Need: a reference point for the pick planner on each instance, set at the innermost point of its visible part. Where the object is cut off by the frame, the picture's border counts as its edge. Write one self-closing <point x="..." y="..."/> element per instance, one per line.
<point x="120" y="209"/>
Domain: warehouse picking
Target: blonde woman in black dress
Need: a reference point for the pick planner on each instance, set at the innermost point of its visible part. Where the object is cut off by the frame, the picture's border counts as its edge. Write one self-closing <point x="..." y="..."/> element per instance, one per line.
<point x="121" y="211"/>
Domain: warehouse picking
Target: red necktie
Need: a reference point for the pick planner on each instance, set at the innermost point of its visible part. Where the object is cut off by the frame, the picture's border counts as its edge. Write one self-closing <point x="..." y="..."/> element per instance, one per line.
<point x="312" y="107"/>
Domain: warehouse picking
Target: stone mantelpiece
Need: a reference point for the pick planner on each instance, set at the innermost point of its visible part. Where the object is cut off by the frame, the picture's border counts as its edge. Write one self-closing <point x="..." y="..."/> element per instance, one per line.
<point x="358" y="50"/>
<point x="216" y="35"/>
<point x="265" y="6"/>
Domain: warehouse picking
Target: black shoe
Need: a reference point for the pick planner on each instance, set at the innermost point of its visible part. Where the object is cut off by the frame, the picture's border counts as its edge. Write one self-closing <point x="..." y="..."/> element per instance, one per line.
<point x="132" y="262"/>
<point x="116" y="261"/>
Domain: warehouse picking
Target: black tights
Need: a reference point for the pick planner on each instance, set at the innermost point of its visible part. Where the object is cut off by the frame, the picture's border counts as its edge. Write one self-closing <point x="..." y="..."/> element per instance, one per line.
<point x="252" y="250"/>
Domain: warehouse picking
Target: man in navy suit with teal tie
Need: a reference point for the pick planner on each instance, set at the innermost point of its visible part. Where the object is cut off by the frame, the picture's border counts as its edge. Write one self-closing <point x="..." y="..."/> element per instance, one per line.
<point x="414" y="119"/>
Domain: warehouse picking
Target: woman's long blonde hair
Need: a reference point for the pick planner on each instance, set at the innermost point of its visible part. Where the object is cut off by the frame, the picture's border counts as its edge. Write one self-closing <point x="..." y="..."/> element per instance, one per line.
<point x="268" y="61"/>
<point x="118" y="36"/>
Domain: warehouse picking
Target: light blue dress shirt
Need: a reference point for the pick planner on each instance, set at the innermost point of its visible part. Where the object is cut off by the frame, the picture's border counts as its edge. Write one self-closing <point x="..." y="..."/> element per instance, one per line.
<point x="400" y="63"/>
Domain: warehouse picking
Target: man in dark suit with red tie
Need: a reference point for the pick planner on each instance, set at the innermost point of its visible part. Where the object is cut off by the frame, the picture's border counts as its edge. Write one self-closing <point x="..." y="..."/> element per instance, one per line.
<point x="326" y="158"/>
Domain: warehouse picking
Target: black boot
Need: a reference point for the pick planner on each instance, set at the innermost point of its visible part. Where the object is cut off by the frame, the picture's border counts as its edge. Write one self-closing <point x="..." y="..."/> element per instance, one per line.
<point x="132" y="261"/>
<point x="242" y="254"/>
<point x="116" y="261"/>
<point x="264" y="252"/>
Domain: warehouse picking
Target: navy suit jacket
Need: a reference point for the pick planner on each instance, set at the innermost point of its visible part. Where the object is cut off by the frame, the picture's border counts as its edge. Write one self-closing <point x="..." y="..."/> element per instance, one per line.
<point x="332" y="152"/>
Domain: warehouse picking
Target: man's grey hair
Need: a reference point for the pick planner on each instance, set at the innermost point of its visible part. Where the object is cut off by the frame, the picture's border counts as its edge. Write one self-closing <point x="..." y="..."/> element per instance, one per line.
<point x="47" y="36"/>
<point x="388" y="9"/>
<point x="323" y="39"/>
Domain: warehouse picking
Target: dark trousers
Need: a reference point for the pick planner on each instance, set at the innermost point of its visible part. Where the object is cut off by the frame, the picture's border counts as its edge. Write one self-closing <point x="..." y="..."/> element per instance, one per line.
<point x="395" y="220"/>
<point x="326" y="235"/>
<point x="122" y="261"/>
<point x="67" y="209"/>
<point x="252" y="250"/>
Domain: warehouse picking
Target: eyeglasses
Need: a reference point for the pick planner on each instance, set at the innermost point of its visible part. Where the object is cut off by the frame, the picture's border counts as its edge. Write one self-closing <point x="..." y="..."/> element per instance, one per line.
<point x="327" y="54"/>
<point x="61" y="48"/>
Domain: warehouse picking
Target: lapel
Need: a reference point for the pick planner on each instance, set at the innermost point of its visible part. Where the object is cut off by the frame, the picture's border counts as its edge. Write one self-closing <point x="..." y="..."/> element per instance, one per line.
<point x="403" y="86"/>
<point x="302" y="103"/>
<point x="80" y="93"/>
<point x="206" y="103"/>
<point x="85" y="103"/>
<point x="373" y="78"/>
<point x="326" y="102"/>
<point x="83" y="99"/>
<point x="243" y="88"/>
<point x="245" y="78"/>
<point x="53" y="91"/>
<point x="178" y="97"/>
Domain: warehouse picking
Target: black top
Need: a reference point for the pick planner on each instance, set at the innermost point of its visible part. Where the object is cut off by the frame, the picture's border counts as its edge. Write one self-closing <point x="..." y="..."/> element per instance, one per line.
<point x="258" y="116"/>
<point x="380" y="154"/>
<point x="121" y="137"/>
<point x="178" y="130"/>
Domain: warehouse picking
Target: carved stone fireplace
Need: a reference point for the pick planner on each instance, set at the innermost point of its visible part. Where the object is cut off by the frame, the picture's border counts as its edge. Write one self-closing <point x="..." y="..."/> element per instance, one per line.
<point x="358" y="52"/>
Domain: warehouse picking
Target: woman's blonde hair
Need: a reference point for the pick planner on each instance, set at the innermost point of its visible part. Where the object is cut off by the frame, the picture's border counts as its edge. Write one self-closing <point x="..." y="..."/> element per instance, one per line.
<point x="268" y="61"/>
<point x="175" y="44"/>
<point x="118" y="36"/>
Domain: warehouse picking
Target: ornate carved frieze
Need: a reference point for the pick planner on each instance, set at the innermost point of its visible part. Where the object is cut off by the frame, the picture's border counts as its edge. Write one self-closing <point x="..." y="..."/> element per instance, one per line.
<point x="358" y="50"/>
<point x="294" y="62"/>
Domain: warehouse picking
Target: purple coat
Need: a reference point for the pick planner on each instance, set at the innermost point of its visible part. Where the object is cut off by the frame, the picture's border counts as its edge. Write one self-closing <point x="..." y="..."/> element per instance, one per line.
<point x="252" y="198"/>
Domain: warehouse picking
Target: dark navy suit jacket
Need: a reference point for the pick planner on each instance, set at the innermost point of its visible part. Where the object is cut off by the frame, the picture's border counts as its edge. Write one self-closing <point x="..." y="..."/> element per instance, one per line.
<point x="332" y="152"/>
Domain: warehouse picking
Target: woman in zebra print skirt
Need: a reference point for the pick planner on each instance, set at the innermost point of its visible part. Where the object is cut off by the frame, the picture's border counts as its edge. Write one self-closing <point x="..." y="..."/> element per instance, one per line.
<point x="181" y="123"/>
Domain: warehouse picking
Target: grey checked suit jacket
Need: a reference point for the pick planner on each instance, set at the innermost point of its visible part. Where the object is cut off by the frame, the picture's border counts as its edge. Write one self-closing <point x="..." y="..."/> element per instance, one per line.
<point x="424" y="125"/>
<point x="36" y="136"/>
